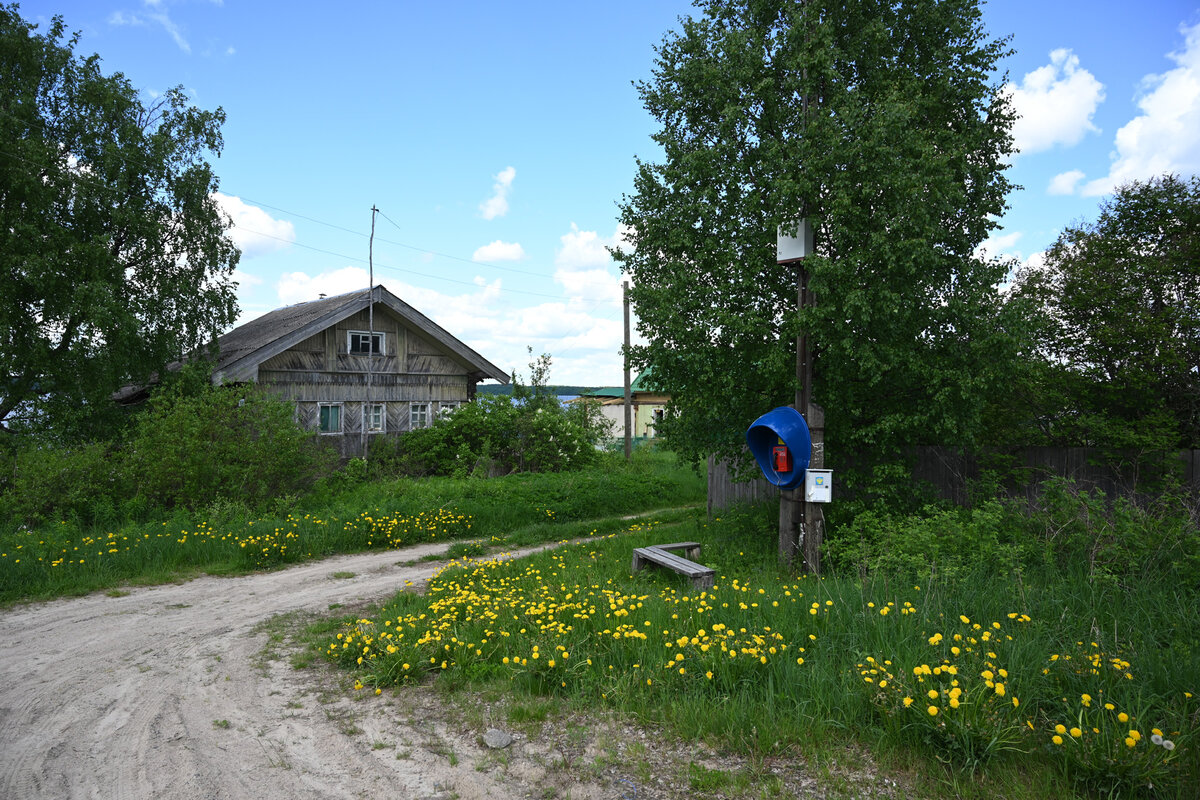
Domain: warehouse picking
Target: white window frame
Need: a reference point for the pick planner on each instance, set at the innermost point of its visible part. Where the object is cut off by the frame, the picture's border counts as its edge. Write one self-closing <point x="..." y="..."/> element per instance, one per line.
<point x="367" y="409"/>
<point x="340" y="419"/>
<point x="377" y="334"/>
<point x="423" y="415"/>
<point x="446" y="409"/>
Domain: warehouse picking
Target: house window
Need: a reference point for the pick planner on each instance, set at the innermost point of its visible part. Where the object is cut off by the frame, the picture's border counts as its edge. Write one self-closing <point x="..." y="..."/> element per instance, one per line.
<point x="330" y="418"/>
<point x="658" y="416"/>
<point x="363" y="343"/>
<point x="374" y="418"/>
<point x="418" y="416"/>
<point x="446" y="409"/>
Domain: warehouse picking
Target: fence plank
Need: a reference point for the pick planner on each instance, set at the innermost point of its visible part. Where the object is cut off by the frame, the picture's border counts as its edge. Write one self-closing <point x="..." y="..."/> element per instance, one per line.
<point x="950" y="471"/>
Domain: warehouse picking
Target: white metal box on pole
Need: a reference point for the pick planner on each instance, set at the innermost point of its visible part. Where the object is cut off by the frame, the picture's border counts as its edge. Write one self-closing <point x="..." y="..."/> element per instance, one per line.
<point x="818" y="485"/>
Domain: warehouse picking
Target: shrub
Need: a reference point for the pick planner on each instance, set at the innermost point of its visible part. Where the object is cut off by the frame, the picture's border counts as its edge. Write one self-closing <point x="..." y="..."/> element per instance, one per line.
<point x="950" y="543"/>
<point x="495" y="434"/>
<point x="83" y="482"/>
<point x="235" y="443"/>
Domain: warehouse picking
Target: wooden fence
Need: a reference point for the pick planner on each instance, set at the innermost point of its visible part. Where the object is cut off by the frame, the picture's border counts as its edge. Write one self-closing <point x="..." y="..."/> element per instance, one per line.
<point x="951" y="473"/>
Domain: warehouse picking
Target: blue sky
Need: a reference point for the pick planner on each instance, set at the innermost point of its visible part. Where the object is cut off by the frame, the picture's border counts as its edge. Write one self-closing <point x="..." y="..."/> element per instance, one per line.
<point x="497" y="138"/>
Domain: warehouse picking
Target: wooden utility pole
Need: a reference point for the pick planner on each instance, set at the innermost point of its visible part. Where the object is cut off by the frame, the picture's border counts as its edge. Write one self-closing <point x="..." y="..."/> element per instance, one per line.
<point x="812" y="516"/>
<point x="628" y="392"/>
<point x="802" y="524"/>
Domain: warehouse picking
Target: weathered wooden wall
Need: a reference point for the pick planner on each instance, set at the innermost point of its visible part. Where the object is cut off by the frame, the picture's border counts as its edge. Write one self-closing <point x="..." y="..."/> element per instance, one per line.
<point x="950" y="473"/>
<point x="320" y="369"/>
<point x="724" y="491"/>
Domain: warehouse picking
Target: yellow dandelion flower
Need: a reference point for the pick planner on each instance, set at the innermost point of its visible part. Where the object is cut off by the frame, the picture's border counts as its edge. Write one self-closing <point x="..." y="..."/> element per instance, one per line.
<point x="1056" y="739"/>
<point x="933" y="711"/>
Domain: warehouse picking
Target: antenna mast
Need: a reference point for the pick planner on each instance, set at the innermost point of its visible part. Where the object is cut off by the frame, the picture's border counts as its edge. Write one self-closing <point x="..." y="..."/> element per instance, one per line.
<point x="368" y="408"/>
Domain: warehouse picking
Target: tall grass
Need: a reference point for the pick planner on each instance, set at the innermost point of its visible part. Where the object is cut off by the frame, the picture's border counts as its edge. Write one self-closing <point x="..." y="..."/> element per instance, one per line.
<point x="342" y="515"/>
<point x="976" y="671"/>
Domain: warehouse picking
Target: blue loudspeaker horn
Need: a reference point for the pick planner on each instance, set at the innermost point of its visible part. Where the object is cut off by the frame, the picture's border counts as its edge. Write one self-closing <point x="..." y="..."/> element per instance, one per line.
<point x="781" y="445"/>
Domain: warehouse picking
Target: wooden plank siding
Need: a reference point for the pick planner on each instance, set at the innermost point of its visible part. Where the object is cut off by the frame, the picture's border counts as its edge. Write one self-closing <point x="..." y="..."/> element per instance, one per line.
<point x="320" y="369"/>
<point x="949" y="473"/>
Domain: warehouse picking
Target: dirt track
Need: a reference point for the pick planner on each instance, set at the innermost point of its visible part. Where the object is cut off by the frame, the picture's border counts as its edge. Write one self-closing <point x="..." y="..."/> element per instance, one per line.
<point x="128" y="697"/>
<point x="165" y="693"/>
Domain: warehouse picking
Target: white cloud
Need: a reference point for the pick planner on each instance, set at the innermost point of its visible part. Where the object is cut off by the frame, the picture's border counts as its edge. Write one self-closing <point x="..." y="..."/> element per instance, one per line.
<point x="155" y="13"/>
<point x="245" y="279"/>
<point x="499" y="251"/>
<point x="1166" y="136"/>
<point x="998" y="246"/>
<point x="582" y="249"/>
<point x="299" y="287"/>
<point x="254" y="230"/>
<point x="1065" y="182"/>
<point x="584" y="267"/>
<point x="497" y="204"/>
<point x="1055" y="104"/>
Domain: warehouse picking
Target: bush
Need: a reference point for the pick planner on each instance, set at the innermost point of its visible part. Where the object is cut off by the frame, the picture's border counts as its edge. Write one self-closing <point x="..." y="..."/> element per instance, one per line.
<point x="496" y="435"/>
<point x="83" y="482"/>
<point x="949" y="543"/>
<point x="233" y="443"/>
<point x="1067" y="529"/>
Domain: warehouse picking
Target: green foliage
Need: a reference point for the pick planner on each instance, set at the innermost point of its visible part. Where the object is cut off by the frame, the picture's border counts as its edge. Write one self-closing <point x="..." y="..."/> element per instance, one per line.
<point x="1068" y="529"/>
<point x="65" y="554"/>
<point x="945" y="543"/>
<point x="967" y="677"/>
<point x="113" y="258"/>
<point x="495" y="434"/>
<point x="883" y="126"/>
<point x="78" y="482"/>
<point x="1117" y="539"/>
<point x="1123" y="339"/>
<point x="236" y="443"/>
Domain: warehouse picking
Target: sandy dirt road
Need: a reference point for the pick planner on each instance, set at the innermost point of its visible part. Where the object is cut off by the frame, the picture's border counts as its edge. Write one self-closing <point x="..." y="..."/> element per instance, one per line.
<point x="166" y="693"/>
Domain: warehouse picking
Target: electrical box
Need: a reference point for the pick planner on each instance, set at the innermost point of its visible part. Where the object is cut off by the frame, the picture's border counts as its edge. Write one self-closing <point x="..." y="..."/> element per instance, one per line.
<point x="790" y="249"/>
<point x="818" y="485"/>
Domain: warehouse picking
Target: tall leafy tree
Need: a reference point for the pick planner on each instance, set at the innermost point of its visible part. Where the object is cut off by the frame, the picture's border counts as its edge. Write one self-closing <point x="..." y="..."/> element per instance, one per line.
<point x="882" y="123"/>
<point x="1122" y="298"/>
<point x="113" y="258"/>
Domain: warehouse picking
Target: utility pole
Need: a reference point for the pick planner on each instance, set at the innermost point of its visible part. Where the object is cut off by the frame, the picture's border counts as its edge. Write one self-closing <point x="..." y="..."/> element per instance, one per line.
<point x="628" y="392"/>
<point x="801" y="523"/>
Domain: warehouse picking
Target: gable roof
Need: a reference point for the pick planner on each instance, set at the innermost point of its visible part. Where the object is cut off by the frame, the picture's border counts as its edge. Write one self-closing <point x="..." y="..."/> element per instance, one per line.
<point x="243" y="349"/>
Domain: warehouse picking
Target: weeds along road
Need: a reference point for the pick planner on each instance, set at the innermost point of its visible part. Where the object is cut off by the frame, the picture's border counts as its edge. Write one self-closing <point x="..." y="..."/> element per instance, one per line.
<point x="164" y="693"/>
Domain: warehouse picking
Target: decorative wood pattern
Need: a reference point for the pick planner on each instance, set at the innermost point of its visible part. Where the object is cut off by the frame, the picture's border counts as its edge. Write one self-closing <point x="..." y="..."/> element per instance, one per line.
<point x="301" y="353"/>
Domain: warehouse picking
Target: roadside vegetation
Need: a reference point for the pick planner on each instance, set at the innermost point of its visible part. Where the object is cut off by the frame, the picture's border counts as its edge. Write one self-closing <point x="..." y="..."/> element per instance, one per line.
<point x="1043" y="651"/>
<point x="343" y="513"/>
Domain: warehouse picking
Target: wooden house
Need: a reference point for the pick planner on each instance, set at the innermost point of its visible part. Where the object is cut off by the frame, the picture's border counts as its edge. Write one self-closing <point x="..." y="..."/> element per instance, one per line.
<point x="355" y="365"/>
<point x="648" y="403"/>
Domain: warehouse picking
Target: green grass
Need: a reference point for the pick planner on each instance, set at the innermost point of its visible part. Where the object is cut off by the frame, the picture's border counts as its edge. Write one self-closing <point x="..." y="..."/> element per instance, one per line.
<point x="821" y="660"/>
<point x="63" y="559"/>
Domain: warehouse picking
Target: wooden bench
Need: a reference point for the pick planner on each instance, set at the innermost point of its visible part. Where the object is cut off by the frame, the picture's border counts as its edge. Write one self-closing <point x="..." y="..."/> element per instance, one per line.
<point x="702" y="577"/>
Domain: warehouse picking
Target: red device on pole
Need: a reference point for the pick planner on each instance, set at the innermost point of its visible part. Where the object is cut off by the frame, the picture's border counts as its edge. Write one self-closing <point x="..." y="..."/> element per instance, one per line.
<point x="782" y="458"/>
